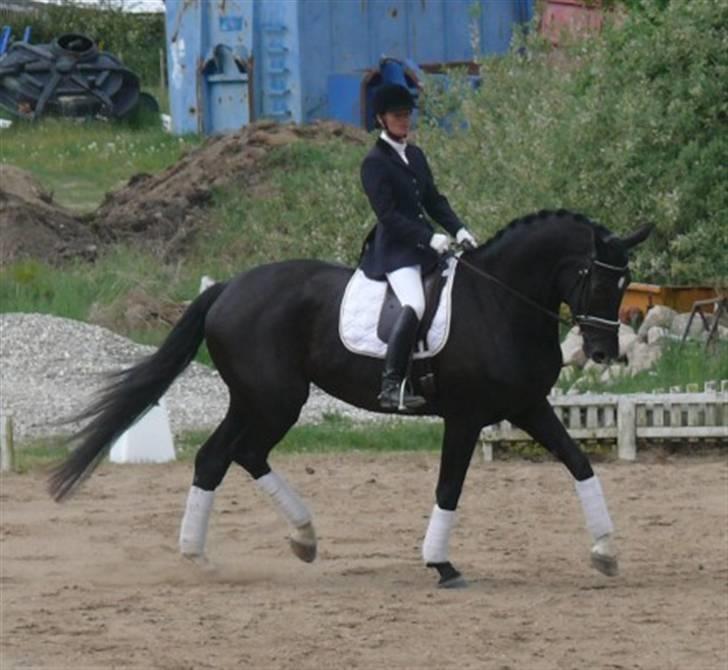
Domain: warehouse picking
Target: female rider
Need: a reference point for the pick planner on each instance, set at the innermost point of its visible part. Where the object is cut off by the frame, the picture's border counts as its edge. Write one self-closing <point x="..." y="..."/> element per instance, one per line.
<point x="403" y="245"/>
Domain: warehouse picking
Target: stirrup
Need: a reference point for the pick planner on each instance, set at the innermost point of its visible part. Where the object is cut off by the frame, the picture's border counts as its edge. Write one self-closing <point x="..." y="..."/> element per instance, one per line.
<point x="395" y="397"/>
<point x="414" y="401"/>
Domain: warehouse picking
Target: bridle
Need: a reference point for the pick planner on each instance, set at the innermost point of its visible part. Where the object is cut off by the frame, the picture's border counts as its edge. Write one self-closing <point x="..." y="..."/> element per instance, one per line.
<point x="583" y="287"/>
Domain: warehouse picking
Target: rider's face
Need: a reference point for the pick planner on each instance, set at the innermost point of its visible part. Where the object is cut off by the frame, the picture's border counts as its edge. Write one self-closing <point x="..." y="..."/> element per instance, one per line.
<point x="398" y="122"/>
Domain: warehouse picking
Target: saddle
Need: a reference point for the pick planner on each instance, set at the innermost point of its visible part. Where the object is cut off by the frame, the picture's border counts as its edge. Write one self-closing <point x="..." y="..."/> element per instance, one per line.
<point x="433" y="283"/>
<point x="369" y="308"/>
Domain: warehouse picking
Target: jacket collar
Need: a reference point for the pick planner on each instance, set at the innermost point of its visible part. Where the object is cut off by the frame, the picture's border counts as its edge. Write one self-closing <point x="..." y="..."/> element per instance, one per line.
<point x="399" y="147"/>
<point x="392" y="155"/>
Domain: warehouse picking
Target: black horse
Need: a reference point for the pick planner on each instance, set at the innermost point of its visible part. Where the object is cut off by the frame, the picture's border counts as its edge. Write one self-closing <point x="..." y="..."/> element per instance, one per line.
<point x="272" y="331"/>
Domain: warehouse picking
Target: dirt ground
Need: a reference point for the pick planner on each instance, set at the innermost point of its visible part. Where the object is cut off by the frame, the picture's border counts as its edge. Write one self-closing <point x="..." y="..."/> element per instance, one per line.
<point x="97" y="582"/>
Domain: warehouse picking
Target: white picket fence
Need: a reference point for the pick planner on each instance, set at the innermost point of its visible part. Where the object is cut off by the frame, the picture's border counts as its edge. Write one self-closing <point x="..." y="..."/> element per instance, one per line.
<point x="690" y="415"/>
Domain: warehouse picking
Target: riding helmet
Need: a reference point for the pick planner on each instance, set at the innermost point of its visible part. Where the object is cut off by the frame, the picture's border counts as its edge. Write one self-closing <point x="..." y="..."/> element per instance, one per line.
<point x="391" y="97"/>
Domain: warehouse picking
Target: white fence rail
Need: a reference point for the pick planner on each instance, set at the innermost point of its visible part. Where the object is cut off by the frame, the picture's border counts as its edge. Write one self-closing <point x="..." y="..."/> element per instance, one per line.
<point x="624" y="419"/>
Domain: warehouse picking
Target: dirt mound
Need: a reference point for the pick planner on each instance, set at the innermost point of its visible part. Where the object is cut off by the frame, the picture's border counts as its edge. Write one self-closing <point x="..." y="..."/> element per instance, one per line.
<point x="166" y="210"/>
<point x="33" y="226"/>
<point x="162" y="211"/>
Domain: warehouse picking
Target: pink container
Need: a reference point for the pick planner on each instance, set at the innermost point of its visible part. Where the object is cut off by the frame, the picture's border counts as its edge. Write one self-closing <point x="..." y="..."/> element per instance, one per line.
<point x="573" y="17"/>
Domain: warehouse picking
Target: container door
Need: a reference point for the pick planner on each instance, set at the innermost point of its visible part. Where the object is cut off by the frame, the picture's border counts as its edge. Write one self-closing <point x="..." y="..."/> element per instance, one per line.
<point x="224" y="80"/>
<point x="183" y="22"/>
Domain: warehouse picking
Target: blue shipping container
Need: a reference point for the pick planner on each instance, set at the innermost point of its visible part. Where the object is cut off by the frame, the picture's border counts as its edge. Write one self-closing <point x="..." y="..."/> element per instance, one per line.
<point x="233" y="61"/>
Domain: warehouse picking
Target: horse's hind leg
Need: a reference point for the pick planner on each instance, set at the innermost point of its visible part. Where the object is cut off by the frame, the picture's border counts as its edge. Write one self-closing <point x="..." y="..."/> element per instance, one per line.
<point x="252" y="454"/>
<point x="541" y="423"/>
<point x="211" y="463"/>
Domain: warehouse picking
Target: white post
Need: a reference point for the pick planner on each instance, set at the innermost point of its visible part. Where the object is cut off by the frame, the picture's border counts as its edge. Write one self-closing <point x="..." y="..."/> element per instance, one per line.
<point x="7" y="446"/>
<point x="149" y="440"/>
<point x="486" y="446"/>
<point x="626" y="430"/>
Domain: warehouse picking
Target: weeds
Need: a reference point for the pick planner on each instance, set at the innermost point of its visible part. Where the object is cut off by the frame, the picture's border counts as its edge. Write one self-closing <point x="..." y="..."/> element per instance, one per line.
<point x="79" y="161"/>
<point x="679" y="365"/>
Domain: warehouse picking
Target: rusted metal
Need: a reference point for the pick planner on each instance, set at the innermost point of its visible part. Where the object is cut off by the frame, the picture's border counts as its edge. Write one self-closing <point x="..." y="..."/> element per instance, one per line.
<point x="720" y="307"/>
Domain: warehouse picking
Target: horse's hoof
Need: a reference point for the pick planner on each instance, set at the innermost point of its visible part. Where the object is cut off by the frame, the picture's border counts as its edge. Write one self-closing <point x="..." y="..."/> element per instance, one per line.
<point x="200" y="561"/>
<point x="607" y="565"/>
<point x="450" y="578"/>
<point x="604" y="556"/>
<point x="303" y="543"/>
<point x="458" y="582"/>
<point x="306" y="552"/>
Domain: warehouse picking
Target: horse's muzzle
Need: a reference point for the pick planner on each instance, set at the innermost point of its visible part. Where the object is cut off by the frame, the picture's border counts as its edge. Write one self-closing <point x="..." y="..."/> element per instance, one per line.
<point x="601" y="347"/>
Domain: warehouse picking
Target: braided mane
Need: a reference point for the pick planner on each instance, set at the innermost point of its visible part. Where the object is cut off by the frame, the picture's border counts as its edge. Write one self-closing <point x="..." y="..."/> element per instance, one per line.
<point x="524" y="223"/>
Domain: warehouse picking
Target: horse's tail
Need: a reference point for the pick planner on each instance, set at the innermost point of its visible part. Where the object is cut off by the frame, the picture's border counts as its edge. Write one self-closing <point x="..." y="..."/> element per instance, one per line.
<point x="130" y="394"/>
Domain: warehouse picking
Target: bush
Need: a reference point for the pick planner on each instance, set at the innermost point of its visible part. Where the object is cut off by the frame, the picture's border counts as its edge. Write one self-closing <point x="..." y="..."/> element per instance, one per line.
<point x="629" y="128"/>
<point x="279" y="216"/>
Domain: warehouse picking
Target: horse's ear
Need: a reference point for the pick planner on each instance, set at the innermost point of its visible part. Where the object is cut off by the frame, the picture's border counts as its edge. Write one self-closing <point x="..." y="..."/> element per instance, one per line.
<point x="637" y="237"/>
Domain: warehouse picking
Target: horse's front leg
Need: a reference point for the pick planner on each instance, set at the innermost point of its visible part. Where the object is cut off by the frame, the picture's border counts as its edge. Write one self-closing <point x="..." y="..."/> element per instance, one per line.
<point x="542" y="424"/>
<point x="457" y="449"/>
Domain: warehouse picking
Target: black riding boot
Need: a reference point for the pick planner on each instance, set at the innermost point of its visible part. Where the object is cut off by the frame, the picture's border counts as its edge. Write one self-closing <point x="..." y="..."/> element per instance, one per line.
<point x="394" y="393"/>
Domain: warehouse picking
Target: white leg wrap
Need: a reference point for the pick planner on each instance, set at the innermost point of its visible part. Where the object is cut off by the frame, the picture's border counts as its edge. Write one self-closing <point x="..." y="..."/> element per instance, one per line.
<point x="193" y="532"/>
<point x="437" y="538"/>
<point x="596" y="514"/>
<point x="291" y="506"/>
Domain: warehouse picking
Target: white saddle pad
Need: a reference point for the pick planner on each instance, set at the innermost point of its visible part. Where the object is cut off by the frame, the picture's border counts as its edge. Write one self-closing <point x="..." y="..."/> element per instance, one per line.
<point x="359" y="316"/>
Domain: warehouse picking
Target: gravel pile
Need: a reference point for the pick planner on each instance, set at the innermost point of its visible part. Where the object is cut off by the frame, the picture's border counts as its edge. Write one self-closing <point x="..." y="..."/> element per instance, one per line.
<point x="51" y="367"/>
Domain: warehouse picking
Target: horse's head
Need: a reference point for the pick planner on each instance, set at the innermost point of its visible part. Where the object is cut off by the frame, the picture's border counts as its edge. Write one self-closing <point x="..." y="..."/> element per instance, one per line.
<point x="597" y="293"/>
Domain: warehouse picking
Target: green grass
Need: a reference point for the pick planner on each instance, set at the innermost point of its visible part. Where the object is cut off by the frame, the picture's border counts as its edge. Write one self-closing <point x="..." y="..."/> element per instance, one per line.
<point x="281" y="215"/>
<point x="71" y="291"/>
<point x="678" y="366"/>
<point x="335" y="434"/>
<point x="79" y="161"/>
<point x="41" y="453"/>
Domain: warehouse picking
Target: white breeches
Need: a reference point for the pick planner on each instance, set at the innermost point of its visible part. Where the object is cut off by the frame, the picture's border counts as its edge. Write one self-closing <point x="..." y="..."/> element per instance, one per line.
<point x="407" y="286"/>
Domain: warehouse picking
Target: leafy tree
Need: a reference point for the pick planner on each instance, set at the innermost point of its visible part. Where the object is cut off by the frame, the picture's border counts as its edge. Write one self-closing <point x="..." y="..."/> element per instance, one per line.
<point x="628" y="127"/>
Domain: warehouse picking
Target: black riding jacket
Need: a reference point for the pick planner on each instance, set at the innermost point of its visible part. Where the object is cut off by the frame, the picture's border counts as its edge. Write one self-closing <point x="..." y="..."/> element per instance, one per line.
<point x="401" y="195"/>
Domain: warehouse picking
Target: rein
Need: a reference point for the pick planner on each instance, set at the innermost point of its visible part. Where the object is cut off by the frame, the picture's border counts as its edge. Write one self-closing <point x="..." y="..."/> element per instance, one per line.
<point x="579" y="319"/>
<point x="512" y="291"/>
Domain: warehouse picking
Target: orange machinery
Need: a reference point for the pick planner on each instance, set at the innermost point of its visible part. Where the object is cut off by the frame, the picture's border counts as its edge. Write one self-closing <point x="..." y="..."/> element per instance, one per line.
<point x="680" y="298"/>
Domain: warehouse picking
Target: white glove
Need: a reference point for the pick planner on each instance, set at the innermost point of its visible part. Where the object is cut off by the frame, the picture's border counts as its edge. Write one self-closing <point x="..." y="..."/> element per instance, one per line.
<point x="440" y="243"/>
<point x="465" y="239"/>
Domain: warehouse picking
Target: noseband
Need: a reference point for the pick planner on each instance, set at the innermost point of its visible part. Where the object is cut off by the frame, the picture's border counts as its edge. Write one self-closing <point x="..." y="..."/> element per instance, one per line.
<point x="588" y="276"/>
